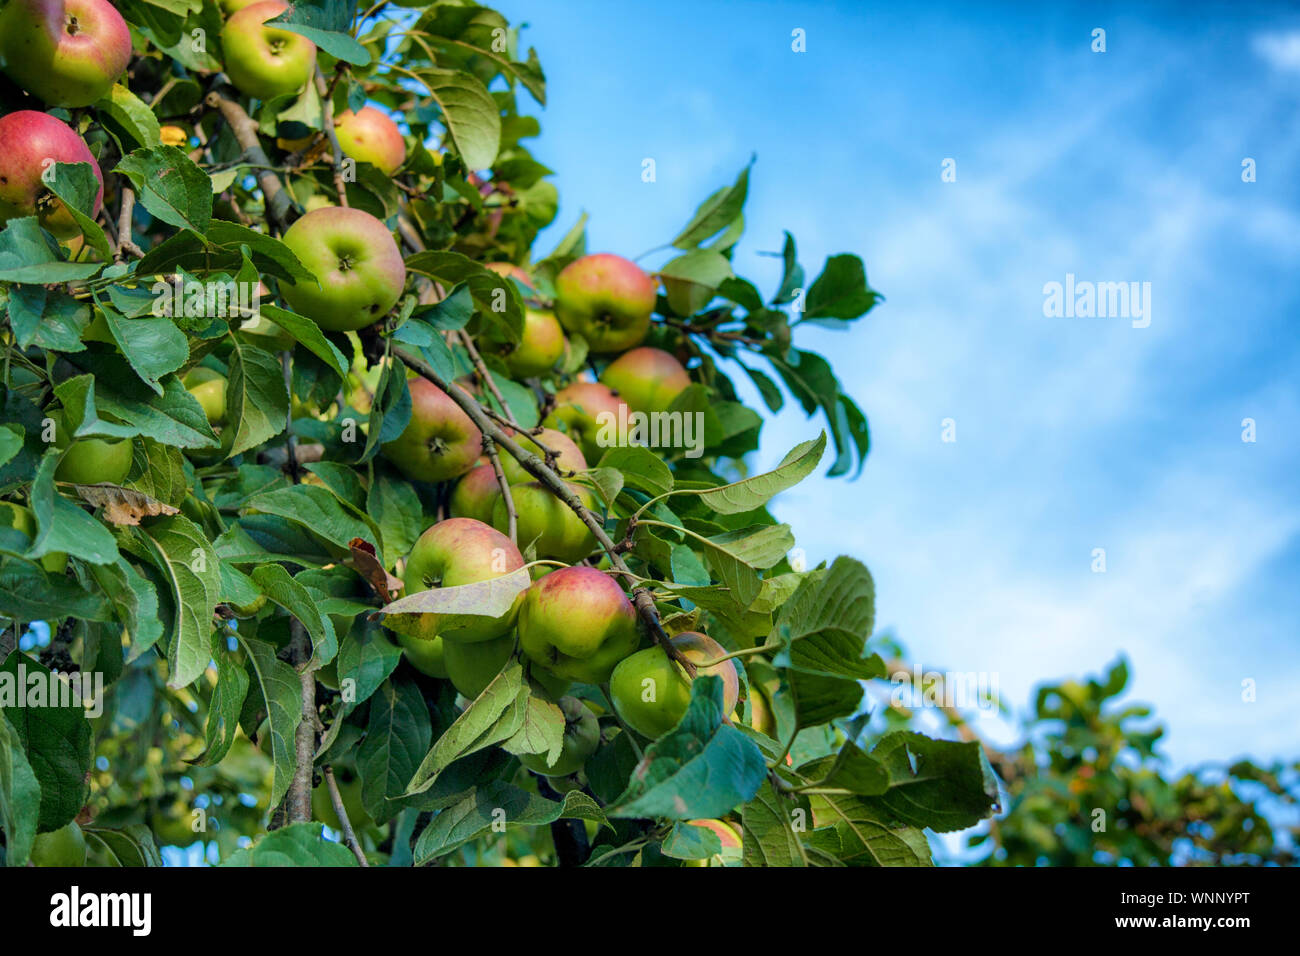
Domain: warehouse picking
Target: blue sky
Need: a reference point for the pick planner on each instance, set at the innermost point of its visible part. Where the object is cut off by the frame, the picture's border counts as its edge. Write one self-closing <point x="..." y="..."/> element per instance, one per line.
<point x="1072" y="433"/>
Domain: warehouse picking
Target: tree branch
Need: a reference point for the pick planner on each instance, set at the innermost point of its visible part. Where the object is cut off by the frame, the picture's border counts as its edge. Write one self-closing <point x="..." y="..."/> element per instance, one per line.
<point x="512" y="516"/>
<point x="279" y="206"/>
<point x="336" y="798"/>
<point x="327" y="111"/>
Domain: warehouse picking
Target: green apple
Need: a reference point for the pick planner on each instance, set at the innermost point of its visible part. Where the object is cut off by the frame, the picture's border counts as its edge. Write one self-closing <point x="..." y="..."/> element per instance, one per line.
<point x="32" y="141"/>
<point x="22" y="520"/>
<point x="89" y="461"/>
<point x="475" y="494"/>
<point x="607" y="300"/>
<point x="647" y="379"/>
<point x="471" y="667"/>
<point x="234" y="6"/>
<point x="580" y="411"/>
<point x="581" y="738"/>
<point x="454" y="552"/>
<point x="559" y="534"/>
<point x="371" y="137"/>
<point x="440" y="442"/>
<point x="568" y="456"/>
<point x="761" y="715"/>
<point x="553" y="685"/>
<point x="65" y="846"/>
<point x="65" y="52"/>
<point x="540" y="346"/>
<point x="209" y="387"/>
<point x="358" y="268"/>
<point x="651" y="693"/>
<point x="265" y="61"/>
<point x="577" y="623"/>
<point x="425" y="656"/>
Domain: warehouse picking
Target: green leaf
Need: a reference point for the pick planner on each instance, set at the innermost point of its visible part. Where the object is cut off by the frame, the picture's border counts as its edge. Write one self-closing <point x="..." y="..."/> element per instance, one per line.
<point x="477" y="30"/>
<point x="686" y="842"/>
<point x="841" y="291"/>
<point x="132" y="114"/>
<point x="131" y="846"/>
<point x="135" y="602"/>
<point x="469" y="113"/>
<point x="170" y="186"/>
<point x="222" y="723"/>
<point x="701" y="769"/>
<point x="819" y="700"/>
<point x="11" y="442"/>
<point x="183" y="555"/>
<point x="542" y="731"/>
<point x="640" y="467"/>
<point x="325" y="23"/>
<point x="494" y="296"/>
<point x="366" y="658"/>
<point x="715" y="213"/>
<point x="29" y="255"/>
<point x="153" y="346"/>
<point x="62" y="526"/>
<point x="397" y="738"/>
<point x="257" y="402"/>
<point x="299" y="844"/>
<point x="792" y="277"/>
<point x="47" y="318"/>
<point x="308" y="334"/>
<point x="491" y="598"/>
<point x="834" y="610"/>
<point x="20" y="795"/>
<point x="316" y="509"/>
<point x="482" y="807"/>
<point x="396" y="509"/>
<point x="279" y="687"/>
<point x="769" y="822"/>
<point x="173" y="418"/>
<point x="751" y="493"/>
<point x="942" y="785"/>
<point x="27" y="593"/>
<point x="77" y="186"/>
<point x="275" y="583"/>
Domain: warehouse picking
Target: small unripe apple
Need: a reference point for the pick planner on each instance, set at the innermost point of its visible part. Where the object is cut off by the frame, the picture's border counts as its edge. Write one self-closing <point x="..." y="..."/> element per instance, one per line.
<point x="32" y="142"/>
<point x="266" y="61"/>
<point x="65" y="846"/>
<point x="577" y="623"/>
<point x="581" y="738"/>
<point x="476" y="494"/>
<point x="371" y="137"/>
<point x="358" y="268"/>
<point x="88" y="461"/>
<point x="208" y="386"/>
<point x="568" y="456"/>
<point x="607" y="300"/>
<point x="651" y="693"/>
<point x="22" y="520"/>
<point x="647" y="379"/>
<point x="540" y="346"/>
<point x="425" y="656"/>
<point x="66" y="52"/>
<point x="558" y="532"/>
<point x="440" y="442"/>
<point x="471" y="667"/>
<point x="581" y="409"/>
<point x="451" y="553"/>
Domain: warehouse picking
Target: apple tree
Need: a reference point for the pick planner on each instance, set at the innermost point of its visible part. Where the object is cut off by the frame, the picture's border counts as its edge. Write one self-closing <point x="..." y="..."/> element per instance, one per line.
<point x="369" y="514"/>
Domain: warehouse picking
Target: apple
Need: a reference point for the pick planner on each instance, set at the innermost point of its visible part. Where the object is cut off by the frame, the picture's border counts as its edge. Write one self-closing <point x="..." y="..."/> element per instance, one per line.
<point x="451" y="553"/>
<point x="731" y="843"/>
<point x="651" y="693"/>
<point x="88" y="461"/>
<point x="577" y="623"/>
<point x="234" y="6"/>
<point x="552" y="685"/>
<point x="647" y="379"/>
<point x="425" y="656"/>
<point x="509" y="270"/>
<point x="371" y="137"/>
<point x="65" y="52"/>
<point x="761" y="715"/>
<point x="65" y="846"/>
<point x="476" y="494"/>
<point x="21" y="519"/>
<point x="581" y="738"/>
<point x="538" y="349"/>
<point x="568" y="456"/>
<point x="440" y="442"/>
<point x="358" y="268"/>
<point x="32" y="141"/>
<point x="607" y="300"/>
<point x="264" y="61"/>
<point x="209" y="387"/>
<point x="578" y="408"/>
<point x="471" y="667"/>
<point x="546" y="520"/>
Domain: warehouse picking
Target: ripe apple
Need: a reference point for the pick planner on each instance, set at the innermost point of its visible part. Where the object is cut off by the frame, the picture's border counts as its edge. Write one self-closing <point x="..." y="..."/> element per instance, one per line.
<point x="476" y="494"/>
<point x="65" y="846"/>
<point x="264" y="61"/>
<point x="581" y="738"/>
<point x="568" y="456"/>
<point x="651" y="693"/>
<point x="545" y="519"/>
<point x="371" y="137"/>
<point x="440" y="442"/>
<point x="427" y="657"/>
<point x="209" y="387"/>
<point x="471" y="667"/>
<point x="509" y="270"/>
<point x="577" y="623"/>
<point x="578" y="408"/>
<point x="538" y="349"/>
<point x="647" y="379"/>
<point x="21" y="519"/>
<point x="88" y="461"/>
<point x="607" y="300"/>
<point x="451" y="553"/>
<point x="32" y="141"/>
<point x="355" y="261"/>
<point x="66" y="52"/>
<point x="731" y="843"/>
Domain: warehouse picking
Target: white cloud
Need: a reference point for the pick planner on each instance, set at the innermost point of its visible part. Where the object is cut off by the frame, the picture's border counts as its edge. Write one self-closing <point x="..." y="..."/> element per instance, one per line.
<point x="1280" y="50"/>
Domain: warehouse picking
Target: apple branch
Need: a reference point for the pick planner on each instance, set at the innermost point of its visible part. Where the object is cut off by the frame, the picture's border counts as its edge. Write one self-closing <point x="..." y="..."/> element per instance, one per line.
<point x="279" y="205"/>
<point x="480" y="369"/>
<point x="336" y="798"/>
<point x="125" y="245"/>
<point x="535" y="466"/>
<point x="327" y="112"/>
<point x="512" y="517"/>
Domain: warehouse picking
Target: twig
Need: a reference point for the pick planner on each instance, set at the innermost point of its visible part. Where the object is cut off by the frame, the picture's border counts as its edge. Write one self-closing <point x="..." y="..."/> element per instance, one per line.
<point x="290" y="441"/>
<point x="480" y="369"/>
<point x="489" y="446"/>
<point x="279" y="206"/>
<point x="125" y="244"/>
<point x="327" y="111"/>
<point x="336" y="798"/>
